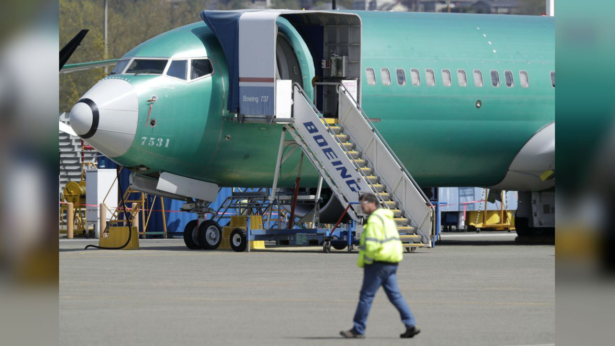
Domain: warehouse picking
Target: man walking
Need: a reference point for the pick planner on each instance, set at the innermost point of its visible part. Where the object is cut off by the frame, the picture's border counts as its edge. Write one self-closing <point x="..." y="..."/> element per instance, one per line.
<point x="380" y="251"/>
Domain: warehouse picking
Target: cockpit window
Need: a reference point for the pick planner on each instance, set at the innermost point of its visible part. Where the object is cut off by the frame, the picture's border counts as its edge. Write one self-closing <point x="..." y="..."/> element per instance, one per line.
<point x="200" y="68"/>
<point x="120" y="66"/>
<point x="178" y="69"/>
<point x="147" y="66"/>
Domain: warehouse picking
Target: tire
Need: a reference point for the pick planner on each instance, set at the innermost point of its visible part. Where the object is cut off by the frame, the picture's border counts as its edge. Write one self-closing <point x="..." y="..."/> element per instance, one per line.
<point x="210" y="235"/>
<point x="339" y="244"/>
<point x="326" y="247"/>
<point x="524" y="230"/>
<point x="191" y="235"/>
<point x="521" y="226"/>
<point x="238" y="240"/>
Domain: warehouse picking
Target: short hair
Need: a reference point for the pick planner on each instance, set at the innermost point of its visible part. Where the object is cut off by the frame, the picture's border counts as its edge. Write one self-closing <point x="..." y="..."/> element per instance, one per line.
<point x="371" y="198"/>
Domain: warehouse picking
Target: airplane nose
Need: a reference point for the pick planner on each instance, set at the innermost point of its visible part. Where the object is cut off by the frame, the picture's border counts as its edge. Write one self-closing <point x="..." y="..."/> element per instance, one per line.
<point x="82" y="118"/>
<point x="106" y="116"/>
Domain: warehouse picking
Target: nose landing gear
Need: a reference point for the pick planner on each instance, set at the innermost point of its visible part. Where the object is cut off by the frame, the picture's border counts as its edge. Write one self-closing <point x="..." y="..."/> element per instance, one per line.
<point x="209" y="235"/>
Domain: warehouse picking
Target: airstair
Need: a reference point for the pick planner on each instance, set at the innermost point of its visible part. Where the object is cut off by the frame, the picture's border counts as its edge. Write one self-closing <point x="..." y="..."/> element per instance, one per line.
<point x="353" y="158"/>
<point x="295" y="50"/>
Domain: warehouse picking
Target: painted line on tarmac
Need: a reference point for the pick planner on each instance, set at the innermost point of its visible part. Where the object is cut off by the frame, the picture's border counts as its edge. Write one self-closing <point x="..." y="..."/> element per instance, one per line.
<point x="279" y="300"/>
<point x="114" y="254"/>
<point x="478" y="235"/>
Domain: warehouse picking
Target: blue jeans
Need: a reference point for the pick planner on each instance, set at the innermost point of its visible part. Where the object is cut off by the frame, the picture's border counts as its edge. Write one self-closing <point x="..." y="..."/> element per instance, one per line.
<point x="376" y="275"/>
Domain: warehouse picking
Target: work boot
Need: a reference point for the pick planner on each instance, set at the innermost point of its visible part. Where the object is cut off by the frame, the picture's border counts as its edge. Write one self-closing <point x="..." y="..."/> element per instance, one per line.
<point x="351" y="334"/>
<point x="410" y="332"/>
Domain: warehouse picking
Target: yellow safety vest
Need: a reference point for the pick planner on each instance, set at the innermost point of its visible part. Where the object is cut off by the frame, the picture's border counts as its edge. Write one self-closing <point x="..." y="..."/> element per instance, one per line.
<point x="380" y="239"/>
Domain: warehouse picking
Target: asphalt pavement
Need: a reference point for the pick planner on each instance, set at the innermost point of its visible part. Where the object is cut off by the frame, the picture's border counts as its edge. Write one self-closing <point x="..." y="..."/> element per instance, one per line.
<point x="471" y="289"/>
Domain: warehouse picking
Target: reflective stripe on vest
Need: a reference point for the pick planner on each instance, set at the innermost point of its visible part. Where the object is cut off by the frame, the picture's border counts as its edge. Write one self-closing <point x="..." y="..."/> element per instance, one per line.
<point x="382" y="241"/>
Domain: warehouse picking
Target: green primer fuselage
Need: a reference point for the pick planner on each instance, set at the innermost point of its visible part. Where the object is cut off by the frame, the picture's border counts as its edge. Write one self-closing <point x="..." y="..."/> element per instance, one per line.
<point x="437" y="131"/>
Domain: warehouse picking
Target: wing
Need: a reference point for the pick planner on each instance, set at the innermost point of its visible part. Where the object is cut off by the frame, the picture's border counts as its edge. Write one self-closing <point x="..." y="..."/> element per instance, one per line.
<point x="64" y="127"/>
<point x="83" y="66"/>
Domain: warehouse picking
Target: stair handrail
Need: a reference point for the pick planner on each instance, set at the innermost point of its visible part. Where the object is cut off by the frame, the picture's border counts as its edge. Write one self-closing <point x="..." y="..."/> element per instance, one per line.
<point x="381" y="138"/>
<point x="343" y="88"/>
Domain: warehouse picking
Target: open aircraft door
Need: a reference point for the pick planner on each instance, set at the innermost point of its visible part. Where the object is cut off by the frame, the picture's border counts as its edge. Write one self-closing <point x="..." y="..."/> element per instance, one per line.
<point x="326" y="45"/>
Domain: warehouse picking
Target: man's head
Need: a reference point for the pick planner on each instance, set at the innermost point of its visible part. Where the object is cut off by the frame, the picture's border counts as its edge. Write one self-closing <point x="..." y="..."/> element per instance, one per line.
<point x="369" y="203"/>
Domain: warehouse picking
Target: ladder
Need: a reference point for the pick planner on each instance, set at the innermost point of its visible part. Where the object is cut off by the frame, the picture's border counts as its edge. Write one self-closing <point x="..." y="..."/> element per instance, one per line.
<point x="353" y="158"/>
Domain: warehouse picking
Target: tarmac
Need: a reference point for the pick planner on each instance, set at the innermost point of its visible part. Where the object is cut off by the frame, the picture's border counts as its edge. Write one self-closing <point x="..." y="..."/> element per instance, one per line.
<point x="471" y="289"/>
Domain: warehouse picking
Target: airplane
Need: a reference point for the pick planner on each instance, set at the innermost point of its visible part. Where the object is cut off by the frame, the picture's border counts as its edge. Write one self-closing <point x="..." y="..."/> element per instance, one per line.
<point x="462" y="100"/>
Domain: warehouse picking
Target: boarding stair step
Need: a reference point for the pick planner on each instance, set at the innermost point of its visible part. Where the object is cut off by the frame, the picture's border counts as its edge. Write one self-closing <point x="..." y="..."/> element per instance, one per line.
<point x="396" y="212"/>
<point x="391" y="204"/>
<point x="384" y="195"/>
<point x="372" y="178"/>
<point x="367" y="170"/>
<point x="330" y="121"/>
<point x="402" y="221"/>
<point x="342" y="137"/>
<point x="348" y="145"/>
<point x="353" y="154"/>
<point x="336" y="129"/>
<point x="377" y="187"/>
<point x="360" y="162"/>
<point x="409" y="237"/>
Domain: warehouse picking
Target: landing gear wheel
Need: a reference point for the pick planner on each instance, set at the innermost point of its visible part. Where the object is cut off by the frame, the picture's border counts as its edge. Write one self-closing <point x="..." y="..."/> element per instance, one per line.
<point x="239" y="240"/>
<point x="210" y="235"/>
<point x="338" y="245"/>
<point x="191" y="235"/>
<point x="326" y="247"/>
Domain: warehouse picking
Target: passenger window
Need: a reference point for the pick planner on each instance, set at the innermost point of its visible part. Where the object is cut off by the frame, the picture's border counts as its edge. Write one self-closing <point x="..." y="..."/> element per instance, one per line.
<point x="178" y="69"/>
<point x="508" y="76"/>
<point x="401" y="76"/>
<point x="415" y="77"/>
<point x="524" y="79"/>
<point x="430" y="77"/>
<point x="200" y="68"/>
<point x="553" y="78"/>
<point x="446" y="78"/>
<point x="495" y="78"/>
<point x="463" y="79"/>
<point x="478" y="78"/>
<point x="371" y="76"/>
<point x="385" y="75"/>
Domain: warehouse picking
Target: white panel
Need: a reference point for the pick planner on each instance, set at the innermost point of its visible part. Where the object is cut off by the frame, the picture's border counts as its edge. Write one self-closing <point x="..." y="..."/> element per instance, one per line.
<point x="257" y="64"/>
<point x="351" y="86"/>
<point x="187" y="187"/>
<point x="543" y="209"/>
<point x="283" y="99"/>
<point x="257" y="37"/>
<point x="100" y="183"/>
